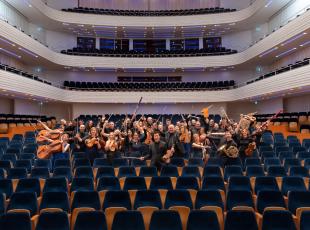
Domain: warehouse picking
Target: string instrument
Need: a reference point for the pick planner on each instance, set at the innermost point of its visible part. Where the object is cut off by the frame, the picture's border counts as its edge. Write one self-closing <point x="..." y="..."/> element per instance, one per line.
<point x="93" y="141"/>
<point x="45" y="151"/>
<point x="167" y="157"/>
<point x="113" y="146"/>
<point x="148" y="139"/>
<point x="44" y="134"/>
<point x="183" y="134"/>
<point x="251" y="147"/>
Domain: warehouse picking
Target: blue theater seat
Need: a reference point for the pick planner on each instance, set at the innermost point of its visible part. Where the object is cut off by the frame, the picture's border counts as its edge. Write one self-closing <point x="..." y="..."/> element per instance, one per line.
<point x="118" y="162"/>
<point x="276" y="171"/>
<point x="117" y="199"/>
<point x="105" y="171"/>
<point x="200" y="220"/>
<point x="55" y="200"/>
<point x="187" y="183"/>
<point x="239" y="198"/>
<point x="148" y="171"/>
<point x="58" y="184"/>
<point x="177" y="161"/>
<point x="292" y="184"/>
<point x="122" y="218"/>
<point x="40" y="172"/>
<point x="63" y="172"/>
<point x="24" y="200"/>
<point x="208" y="198"/>
<point x="24" y="164"/>
<point x="265" y="183"/>
<point x="53" y="221"/>
<point x="2" y="204"/>
<point x="99" y="162"/>
<point x="62" y="163"/>
<point x="213" y="183"/>
<point x="94" y="220"/>
<point x="240" y="220"/>
<point x="82" y="184"/>
<point x="299" y="171"/>
<point x="29" y="185"/>
<point x="298" y="199"/>
<point x="305" y="220"/>
<point x="212" y="171"/>
<point x="15" y="221"/>
<point x="43" y="163"/>
<point x="86" y="199"/>
<point x="6" y="187"/>
<point x="126" y="171"/>
<point x="232" y="171"/>
<point x="169" y="171"/>
<point x="195" y="162"/>
<point x="269" y="199"/>
<point x="192" y="171"/>
<point x="84" y="171"/>
<point x="147" y="198"/>
<point x="134" y="183"/>
<point x="108" y="183"/>
<point x="278" y="219"/>
<point x="165" y="220"/>
<point x="161" y="183"/>
<point x="178" y="198"/>
<point x="17" y="173"/>
<point x="81" y="162"/>
<point x="239" y="183"/>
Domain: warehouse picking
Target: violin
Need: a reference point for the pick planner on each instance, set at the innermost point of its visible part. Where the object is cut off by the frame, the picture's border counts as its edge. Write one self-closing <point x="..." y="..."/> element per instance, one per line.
<point x="167" y="157"/>
<point x="45" y="151"/>
<point x="184" y="133"/>
<point x="91" y="142"/>
<point x="250" y="149"/>
<point x="148" y="139"/>
<point x="113" y="146"/>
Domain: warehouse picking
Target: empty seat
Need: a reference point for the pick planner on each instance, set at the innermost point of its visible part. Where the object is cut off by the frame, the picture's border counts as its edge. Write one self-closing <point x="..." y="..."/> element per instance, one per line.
<point x="212" y="171"/>
<point x="192" y="171"/>
<point x="56" y="185"/>
<point x="29" y="185"/>
<point x="187" y="183"/>
<point x="269" y="199"/>
<point x="253" y="161"/>
<point x="208" y="198"/>
<point x="6" y="187"/>
<point x="94" y="220"/>
<point x="240" y="220"/>
<point x="17" y="173"/>
<point x="126" y="171"/>
<point x="43" y="163"/>
<point x="165" y="220"/>
<point x="298" y="199"/>
<point x="239" y="183"/>
<point x="255" y="171"/>
<point x="105" y="171"/>
<point x="23" y="164"/>
<point x="108" y="183"/>
<point x="63" y="172"/>
<point x="62" y="163"/>
<point x="202" y="219"/>
<point x="169" y="171"/>
<point x="117" y="199"/>
<point x="24" y="200"/>
<point x="213" y="183"/>
<point x="161" y="183"/>
<point x="16" y="221"/>
<point x="134" y="183"/>
<point x="40" y="172"/>
<point x="232" y="171"/>
<point x="289" y="162"/>
<point x="148" y="171"/>
<point x="118" y="162"/>
<point x="99" y="162"/>
<point x="84" y="171"/>
<point x="239" y="198"/>
<point x="147" y="198"/>
<point x="177" y="161"/>
<point x="55" y="200"/>
<point x="195" y="162"/>
<point x="265" y="183"/>
<point x="292" y="184"/>
<point x="278" y="219"/>
<point x="81" y="162"/>
<point x="122" y="218"/>
<point x="88" y="199"/>
<point x="304" y="220"/>
<point x="82" y="184"/>
<point x="53" y="221"/>
<point x="178" y="198"/>
<point x="276" y="171"/>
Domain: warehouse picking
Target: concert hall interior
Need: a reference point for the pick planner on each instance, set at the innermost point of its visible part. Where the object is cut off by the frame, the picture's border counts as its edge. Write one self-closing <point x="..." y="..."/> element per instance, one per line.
<point x="154" y="114"/>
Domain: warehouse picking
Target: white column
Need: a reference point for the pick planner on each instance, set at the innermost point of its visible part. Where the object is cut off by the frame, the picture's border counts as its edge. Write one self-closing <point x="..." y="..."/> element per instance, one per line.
<point x="200" y="43"/>
<point x="97" y="43"/>
<point x="130" y="44"/>
<point x="168" y="44"/>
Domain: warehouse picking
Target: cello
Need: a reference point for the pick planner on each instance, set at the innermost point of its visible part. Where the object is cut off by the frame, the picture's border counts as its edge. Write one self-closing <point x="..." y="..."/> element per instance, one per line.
<point x="45" y="151"/>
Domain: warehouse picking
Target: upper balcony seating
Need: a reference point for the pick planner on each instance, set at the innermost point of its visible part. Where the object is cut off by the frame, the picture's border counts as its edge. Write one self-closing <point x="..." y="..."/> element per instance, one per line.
<point x="144" y="13"/>
<point x="161" y="54"/>
<point x="22" y="73"/>
<point x="154" y="86"/>
<point x="283" y="69"/>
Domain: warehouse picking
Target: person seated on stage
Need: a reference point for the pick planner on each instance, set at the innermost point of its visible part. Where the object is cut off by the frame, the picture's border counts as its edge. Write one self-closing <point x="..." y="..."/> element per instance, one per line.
<point x="157" y="150"/>
<point x="111" y="147"/>
<point x="80" y="138"/>
<point x="225" y="144"/>
<point x="173" y="141"/>
<point x="65" y="147"/>
<point x="92" y="145"/>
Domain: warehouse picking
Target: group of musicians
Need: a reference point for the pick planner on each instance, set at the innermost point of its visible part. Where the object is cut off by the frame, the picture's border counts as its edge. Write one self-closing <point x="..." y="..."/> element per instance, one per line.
<point x="159" y="141"/>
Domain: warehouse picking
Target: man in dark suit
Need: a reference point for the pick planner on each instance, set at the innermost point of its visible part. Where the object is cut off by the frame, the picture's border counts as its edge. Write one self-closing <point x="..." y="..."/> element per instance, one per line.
<point x="173" y="141"/>
<point x="157" y="150"/>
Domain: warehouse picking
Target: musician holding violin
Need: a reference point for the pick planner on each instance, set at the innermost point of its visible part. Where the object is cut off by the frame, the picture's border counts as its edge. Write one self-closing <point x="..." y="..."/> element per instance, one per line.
<point x="111" y="147"/>
<point x="93" y="145"/>
<point x="244" y="142"/>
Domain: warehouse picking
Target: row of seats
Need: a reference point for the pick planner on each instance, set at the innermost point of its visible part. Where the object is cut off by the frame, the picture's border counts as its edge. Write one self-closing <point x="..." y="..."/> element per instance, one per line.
<point x="23" y="73"/>
<point x="164" y="86"/>
<point x="282" y="70"/>
<point x="88" y="10"/>
<point x="157" y="220"/>
<point x="133" y="53"/>
<point x="55" y="194"/>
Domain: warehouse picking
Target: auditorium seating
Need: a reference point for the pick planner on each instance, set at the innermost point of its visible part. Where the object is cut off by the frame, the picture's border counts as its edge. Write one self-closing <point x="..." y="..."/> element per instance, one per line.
<point x="154" y="86"/>
<point x="144" y="13"/>
<point x="187" y="190"/>
<point x="142" y="54"/>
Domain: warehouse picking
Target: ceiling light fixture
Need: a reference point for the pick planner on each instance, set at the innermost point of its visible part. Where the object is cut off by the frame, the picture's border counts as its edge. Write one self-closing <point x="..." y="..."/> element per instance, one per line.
<point x="304" y="44"/>
<point x="286" y="52"/>
<point x="28" y="52"/>
<point x="268" y="51"/>
<point x="10" y="53"/>
<point x="293" y="39"/>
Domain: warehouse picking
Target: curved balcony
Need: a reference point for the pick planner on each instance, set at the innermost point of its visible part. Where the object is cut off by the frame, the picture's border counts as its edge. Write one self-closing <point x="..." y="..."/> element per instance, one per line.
<point x="296" y="80"/>
<point x="48" y="15"/>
